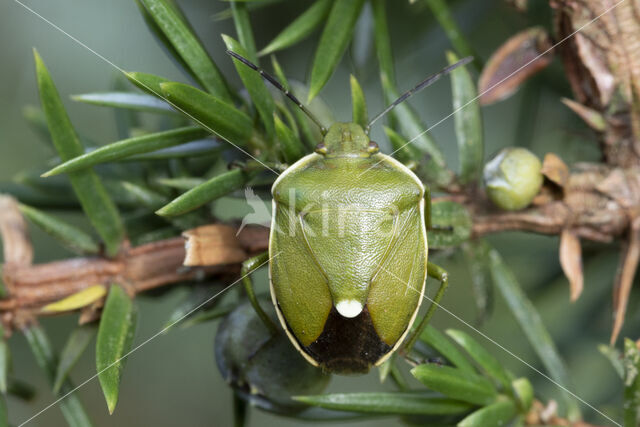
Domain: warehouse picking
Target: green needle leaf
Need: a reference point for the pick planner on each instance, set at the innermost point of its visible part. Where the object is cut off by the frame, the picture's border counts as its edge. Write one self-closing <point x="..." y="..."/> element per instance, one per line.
<point x="309" y="130"/>
<point x="188" y="47"/>
<point x="476" y="254"/>
<point x="181" y="183"/>
<point x="291" y="146"/>
<point x="359" y="104"/>
<point x="160" y="36"/>
<point x="73" y="349"/>
<point x="482" y="357"/>
<point x="215" y="188"/>
<point x="523" y="392"/>
<point x="115" y="336"/>
<point x="70" y="236"/>
<point x="128" y="100"/>
<point x="436" y="340"/>
<point x="210" y="112"/>
<point x="129" y="147"/>
<point x="142" y="194"/>
<point x="530" y="322"/>
<point x="468" y="123"/>
<point x="457" y="384"/>
<point x="383" y="42"/>
<point x="300" y="28"/>
<point x="251" y="6"/>
<point x="432" y="162"/>
<point x="5" y="364"/>
<point x="200" y="148"/>
<point x="242" y="23"/>
<point x="34" y="195"/>
<point x="46" y="358"/>
<point x="631" y="383"/>
<point x="442" y="14"/>
<point x="333" y="42"/>
<point x="387" y="403"/>
<point x="290" y="120"/>
<point x="95" y="201"/>
<point x="614" y="356"/>
<point x="148" y="83"/>
<point x="255" y="85"/>
<point x="497" y="414"/>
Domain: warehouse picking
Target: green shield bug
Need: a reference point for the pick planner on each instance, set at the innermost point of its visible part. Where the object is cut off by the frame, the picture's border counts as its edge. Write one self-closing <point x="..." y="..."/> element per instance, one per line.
<point x="348" y="248"/>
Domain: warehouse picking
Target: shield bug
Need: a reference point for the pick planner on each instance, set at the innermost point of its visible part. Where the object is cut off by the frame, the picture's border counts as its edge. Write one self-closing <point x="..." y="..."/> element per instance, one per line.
<point x="348" y="247"/>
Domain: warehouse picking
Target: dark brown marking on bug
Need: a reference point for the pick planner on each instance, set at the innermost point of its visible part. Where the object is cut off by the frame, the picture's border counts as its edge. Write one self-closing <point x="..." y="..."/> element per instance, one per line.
<point x="347" y="346"/>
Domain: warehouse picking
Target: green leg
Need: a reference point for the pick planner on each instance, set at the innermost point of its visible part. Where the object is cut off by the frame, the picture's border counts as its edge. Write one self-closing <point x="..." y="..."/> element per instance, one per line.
<point x="440" y="274"/>
<point x="248" y="267"/>
<point x="427" y="207"/>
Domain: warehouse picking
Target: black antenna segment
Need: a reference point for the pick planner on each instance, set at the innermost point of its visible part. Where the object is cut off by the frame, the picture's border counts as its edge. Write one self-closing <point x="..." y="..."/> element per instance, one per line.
<point x="279" y="86"/>
<point x="426" y="82"/>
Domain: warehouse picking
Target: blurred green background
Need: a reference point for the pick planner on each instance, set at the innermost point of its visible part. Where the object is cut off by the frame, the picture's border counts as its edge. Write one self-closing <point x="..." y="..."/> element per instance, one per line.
<point x="173" y="379"/>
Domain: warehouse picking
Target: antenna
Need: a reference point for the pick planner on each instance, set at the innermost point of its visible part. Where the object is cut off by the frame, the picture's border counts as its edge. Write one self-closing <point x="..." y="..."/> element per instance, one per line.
<point x="426" y="82"/>
<point x="279" y="86"/>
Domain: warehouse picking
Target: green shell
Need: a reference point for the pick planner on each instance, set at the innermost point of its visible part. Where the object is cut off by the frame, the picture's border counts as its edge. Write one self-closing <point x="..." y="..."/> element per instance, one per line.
<point x="349" y="251"/>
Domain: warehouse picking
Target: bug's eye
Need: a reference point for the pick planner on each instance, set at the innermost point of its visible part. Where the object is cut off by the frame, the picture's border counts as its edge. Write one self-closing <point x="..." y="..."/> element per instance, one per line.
<point x="373" y="147"/>
<point x="321" y="148"/>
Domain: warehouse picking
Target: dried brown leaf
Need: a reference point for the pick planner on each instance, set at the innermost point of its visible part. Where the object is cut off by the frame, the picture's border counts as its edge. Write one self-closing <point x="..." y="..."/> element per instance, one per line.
<point x="593" y="118"/>
<point x="624" y="278"/>
<point x="513" y="63"/>
<point x="18" y="251"/>
<point x="555" y="169"/>
<point x="90" y="313"/>
<point x="214" y="244"/>
<point x="571" y="262"/>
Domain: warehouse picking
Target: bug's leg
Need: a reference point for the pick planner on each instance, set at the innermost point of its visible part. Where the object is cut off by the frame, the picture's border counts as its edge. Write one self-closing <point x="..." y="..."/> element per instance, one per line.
<point x="248" y="267"/>
<point x="440" y="274"/>
<point x="427" y="213"/>
<point x="240" y="410"/>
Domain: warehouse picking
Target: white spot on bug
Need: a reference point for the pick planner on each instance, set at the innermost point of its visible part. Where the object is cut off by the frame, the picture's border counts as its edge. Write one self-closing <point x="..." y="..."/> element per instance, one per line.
<point x="349" y="308"/>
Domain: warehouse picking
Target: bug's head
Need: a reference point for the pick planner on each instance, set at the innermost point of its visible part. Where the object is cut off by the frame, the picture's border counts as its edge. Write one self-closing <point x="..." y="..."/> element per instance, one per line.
<point x="346" y="140"/>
